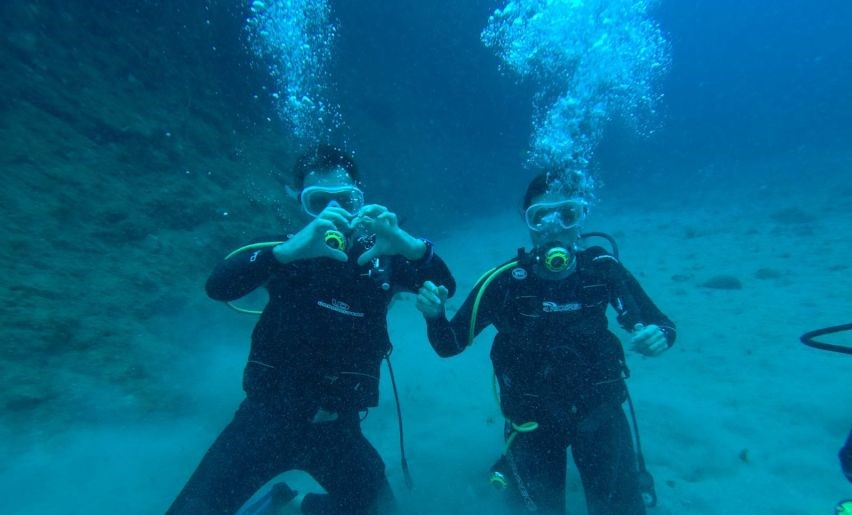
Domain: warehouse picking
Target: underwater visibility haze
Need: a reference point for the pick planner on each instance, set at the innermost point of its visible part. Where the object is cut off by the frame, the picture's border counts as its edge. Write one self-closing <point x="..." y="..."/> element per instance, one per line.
<point x="144" y="141"/>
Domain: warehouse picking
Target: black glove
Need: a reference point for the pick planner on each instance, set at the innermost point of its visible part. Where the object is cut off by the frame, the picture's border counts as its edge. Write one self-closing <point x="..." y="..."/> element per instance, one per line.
<point x="846" y="458"/>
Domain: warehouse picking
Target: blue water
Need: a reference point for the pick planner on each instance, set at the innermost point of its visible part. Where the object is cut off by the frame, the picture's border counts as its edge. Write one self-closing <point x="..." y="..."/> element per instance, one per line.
<point x="142" y="141"/>
<point x="741" y="82"/>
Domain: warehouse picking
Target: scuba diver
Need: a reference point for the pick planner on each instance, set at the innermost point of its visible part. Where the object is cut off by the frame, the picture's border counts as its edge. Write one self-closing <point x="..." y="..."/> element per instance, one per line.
<point x="314" y="364"/>
<point x="560" y="371"/>
<point x="809" y="339"/>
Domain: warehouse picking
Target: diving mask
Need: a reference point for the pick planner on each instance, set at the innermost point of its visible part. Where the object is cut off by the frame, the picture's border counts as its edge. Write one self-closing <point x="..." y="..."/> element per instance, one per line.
<point x="316" y="198"/>
<point x="558" y="216"/>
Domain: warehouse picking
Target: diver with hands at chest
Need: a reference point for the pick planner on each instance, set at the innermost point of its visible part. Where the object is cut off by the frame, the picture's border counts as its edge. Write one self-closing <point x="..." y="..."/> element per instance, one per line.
<point x="313" y="367"/>
<point x="559" y="369"/>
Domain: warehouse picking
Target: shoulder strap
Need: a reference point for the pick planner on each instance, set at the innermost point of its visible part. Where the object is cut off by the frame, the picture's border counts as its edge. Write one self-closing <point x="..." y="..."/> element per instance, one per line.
<point x="595" y="262"/>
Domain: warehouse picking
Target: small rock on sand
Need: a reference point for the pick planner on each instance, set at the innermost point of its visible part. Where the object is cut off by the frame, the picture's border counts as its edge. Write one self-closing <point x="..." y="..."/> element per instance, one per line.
<point x="723" y="282"/>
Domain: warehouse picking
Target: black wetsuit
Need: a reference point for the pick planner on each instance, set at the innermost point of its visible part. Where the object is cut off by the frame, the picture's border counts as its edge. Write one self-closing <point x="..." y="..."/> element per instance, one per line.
<point x="318" y="345"/>
<point x="846" y="458"/>
<point x="557" y="364"/>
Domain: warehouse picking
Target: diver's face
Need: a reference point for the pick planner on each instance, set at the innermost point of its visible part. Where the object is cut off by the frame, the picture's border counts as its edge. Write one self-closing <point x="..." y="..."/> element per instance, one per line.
<point x="558" y="219"/>
<point x="330" y="188"/>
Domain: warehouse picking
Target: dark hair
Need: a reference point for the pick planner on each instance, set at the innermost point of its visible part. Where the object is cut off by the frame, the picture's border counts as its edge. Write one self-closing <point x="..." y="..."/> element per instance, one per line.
<point x="575" y="184"/>
<point x="538" y="186"/>
<point x="323" y="158"/>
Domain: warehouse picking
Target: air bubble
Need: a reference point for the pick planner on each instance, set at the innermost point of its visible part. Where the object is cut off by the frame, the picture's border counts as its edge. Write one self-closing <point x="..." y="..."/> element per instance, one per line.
<point x="593" y="60"/>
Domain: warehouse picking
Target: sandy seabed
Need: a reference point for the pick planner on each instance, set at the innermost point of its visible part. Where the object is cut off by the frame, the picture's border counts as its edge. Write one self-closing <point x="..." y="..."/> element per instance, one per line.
<point x="738" y="418"/>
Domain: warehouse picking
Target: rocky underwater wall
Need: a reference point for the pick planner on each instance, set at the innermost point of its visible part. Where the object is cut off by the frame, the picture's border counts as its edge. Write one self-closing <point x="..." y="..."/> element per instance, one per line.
<point x="133" y="155"/>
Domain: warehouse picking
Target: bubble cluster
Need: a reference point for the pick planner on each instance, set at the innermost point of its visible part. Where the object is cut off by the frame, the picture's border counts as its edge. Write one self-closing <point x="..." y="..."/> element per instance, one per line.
<point x="293" y="39"/>
<point x="592" y="61"/>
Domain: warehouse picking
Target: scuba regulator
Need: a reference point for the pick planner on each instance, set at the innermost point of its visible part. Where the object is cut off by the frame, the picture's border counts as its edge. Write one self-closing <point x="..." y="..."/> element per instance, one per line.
<point x="554" y="257"/>
<point x="335" y="239"/>
<point x="379" y="269"/>
<point x="558" y="259"/>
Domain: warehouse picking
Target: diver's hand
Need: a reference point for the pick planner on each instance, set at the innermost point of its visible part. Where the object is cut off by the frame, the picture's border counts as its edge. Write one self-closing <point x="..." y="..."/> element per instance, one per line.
<point x="431" y="300"/>
<point x="310" y="241"/>
<point x="390" y="239"/>
<point x="649" y="340"/>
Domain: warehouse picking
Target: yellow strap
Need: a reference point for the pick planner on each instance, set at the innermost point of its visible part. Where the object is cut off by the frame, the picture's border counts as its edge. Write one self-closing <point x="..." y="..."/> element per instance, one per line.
<point x="489" y="277"/>
<point x="245" y="248"/>
<point x="253" y="246"/>
<point x="526" y="427"/>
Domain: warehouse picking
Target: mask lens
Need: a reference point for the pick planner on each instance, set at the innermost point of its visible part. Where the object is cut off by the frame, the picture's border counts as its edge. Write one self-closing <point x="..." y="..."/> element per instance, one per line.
<point x="570" y="215"/>
<point x="544" y="217"/>
<point x="316" y="198"/>
<point x="555" y="215"/>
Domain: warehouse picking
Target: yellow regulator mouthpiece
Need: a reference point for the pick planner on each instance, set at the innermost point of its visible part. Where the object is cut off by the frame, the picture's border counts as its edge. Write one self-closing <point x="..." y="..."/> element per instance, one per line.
<point x="557" y="259"/>
<point x="335" y="240"/>
<point x="498" y="481"/>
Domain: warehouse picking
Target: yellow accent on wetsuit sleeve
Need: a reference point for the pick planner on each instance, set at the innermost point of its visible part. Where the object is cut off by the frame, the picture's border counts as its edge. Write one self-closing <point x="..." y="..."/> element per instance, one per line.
<point x="253" y="246"/>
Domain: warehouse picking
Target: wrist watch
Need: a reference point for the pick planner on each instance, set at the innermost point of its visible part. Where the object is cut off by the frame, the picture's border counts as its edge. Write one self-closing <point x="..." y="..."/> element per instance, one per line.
<point x="427" y="256"/>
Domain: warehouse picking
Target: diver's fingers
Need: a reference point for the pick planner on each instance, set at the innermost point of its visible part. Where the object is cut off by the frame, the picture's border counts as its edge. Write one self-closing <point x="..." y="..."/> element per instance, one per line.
<point x="653" y="345"/>
<point x="639" y="343"/>
<point x="652" y="350"/>
<point x="443" y="292"/>
<point x="367" y="256"/>
<point x="372" y="210"/>
<point x="658" y="347"/>
<point x="339" y="210"/>
<point x="336" y="210"/>
<point x="429" y="297"/>
<point x="366" y="221"/>
<point x="651" y="334"/>
<point x="336" y="254"/>
<point x="335" y="215"/>
<point x="638" y="338"/>
<point x="389" y="218"/>
<point x="428" y="307"/>
<point x="423" y="303"/>
<point x="644" y="334"/>
<point x="323" y="225"/>
<point x="658" y="343"/>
